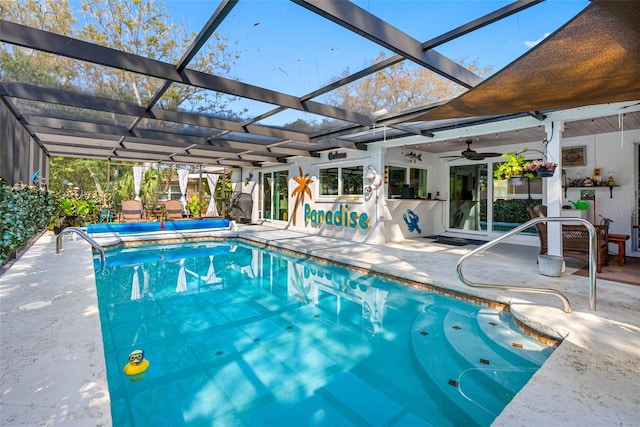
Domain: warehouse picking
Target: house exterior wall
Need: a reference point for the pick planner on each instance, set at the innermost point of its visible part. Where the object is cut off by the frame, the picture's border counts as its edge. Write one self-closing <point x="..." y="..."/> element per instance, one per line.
<point x="389" y="220"/>
<point x="610" y="152"/>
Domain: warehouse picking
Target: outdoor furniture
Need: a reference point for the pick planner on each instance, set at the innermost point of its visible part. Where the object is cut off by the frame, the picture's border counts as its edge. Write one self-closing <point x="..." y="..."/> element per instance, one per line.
<point x="620" y="240"/>
<point x="155" y="212"/>
<point x="173" y="210"/>
<point x="131" y="210"/>
<point x="105" y="215"/>
<point x="575" y="239"/>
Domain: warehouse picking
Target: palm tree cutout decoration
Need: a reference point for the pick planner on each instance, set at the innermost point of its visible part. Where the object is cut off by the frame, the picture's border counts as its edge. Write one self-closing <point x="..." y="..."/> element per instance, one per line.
<point x="299" y="192"/>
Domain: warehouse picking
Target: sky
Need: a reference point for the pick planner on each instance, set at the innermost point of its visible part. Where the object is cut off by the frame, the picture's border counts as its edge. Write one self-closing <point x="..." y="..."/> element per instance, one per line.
<point x="286" y="48"/>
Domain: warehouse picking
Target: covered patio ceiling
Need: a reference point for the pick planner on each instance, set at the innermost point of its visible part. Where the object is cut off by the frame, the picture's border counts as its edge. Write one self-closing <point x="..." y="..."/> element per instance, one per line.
<point x="275" y="122"/>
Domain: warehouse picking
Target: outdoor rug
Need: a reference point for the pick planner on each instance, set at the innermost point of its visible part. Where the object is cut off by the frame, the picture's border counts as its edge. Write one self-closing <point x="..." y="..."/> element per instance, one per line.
<point x="455" y="241"/>
<point x="629" y="273"/>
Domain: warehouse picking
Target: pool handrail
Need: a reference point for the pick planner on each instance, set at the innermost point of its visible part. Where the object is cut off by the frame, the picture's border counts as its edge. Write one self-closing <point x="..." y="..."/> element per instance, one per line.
<point x="567" y="306"/>
<point x="85" y="236"/>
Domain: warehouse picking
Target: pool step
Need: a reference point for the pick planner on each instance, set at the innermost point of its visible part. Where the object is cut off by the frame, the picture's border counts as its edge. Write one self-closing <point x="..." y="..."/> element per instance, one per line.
<point x="500" y="328"/>
<point x="499" y="366"/>
<point x="441" y="366"/>
<point x="470" y="356"/>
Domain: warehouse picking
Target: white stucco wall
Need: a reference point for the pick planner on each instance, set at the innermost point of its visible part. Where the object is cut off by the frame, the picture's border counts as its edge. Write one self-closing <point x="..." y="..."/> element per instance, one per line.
<point x="612" y="151"/>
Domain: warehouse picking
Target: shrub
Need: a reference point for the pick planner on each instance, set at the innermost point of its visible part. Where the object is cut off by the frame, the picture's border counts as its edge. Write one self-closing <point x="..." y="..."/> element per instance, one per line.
<point x="24" y="211"/>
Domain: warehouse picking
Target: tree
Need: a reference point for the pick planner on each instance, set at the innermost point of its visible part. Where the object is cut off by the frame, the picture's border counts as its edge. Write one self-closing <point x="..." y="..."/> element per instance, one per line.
<point x="87" y="174"/>
<point x="398" y="88"/>
<point x="29" y="66"/>
<point x="141" y="27"/>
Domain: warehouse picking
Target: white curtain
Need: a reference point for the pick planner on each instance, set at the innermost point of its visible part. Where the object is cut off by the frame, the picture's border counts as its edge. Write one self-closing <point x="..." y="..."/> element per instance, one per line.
<point x="212" y="180"/>
<point x="137" y="180"/>
<point x="181" y="286"/>
<point x="135" y="285"/>
<point x="183" y="178"/>
<point x="211" y="278"/>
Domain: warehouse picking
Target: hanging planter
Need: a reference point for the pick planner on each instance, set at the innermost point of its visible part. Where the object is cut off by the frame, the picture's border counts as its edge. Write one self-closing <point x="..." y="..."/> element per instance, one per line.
<point x="545" y="172"/>
<point x="516" y="180"/>
<point x="512" y="169"/>
<point x="541" y="168"/>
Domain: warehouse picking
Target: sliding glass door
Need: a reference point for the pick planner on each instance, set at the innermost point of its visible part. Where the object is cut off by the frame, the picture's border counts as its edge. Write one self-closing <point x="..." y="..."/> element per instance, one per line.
<point x="275" y="195"/>
<point x="467" y="189"/>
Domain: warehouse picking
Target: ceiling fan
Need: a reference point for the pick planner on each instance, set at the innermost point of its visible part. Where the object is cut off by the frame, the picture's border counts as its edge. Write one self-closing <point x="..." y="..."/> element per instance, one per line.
<point x="470" y="154"/>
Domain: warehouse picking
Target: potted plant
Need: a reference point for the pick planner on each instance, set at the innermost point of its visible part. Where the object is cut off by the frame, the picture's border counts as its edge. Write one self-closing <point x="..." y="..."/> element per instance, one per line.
<point x="513" y="168"/>
<point x="541" y="168"/>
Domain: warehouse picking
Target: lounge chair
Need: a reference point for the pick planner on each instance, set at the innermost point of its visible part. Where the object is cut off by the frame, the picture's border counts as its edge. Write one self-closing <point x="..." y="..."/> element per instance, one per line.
<point x="575" y="239"/>
<point x="173" y="210"/>
<point x="131" y="211"/>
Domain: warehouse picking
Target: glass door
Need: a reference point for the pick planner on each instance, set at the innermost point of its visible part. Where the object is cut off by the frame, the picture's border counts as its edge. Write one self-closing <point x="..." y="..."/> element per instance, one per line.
<point x="467" y="187"/>
<point x="509" y="203"/>
<point x="275" y="195"/>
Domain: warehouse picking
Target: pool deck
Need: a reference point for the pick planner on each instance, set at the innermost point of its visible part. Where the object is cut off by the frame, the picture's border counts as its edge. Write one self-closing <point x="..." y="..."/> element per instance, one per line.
<point x="53" y="370"/>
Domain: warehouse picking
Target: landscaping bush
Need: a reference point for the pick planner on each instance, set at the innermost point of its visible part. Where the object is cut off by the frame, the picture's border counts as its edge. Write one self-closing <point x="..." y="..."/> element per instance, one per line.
<point x="24" y="211"/>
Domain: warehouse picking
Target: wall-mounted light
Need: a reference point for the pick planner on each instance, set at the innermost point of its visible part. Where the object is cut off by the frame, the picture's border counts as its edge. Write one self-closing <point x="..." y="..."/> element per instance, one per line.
<point x="249" y="178"/>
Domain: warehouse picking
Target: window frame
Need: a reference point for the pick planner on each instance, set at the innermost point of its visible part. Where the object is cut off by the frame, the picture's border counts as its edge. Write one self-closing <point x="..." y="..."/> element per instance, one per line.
<point x="340" y="190"/>
<point x="407" y="180"/>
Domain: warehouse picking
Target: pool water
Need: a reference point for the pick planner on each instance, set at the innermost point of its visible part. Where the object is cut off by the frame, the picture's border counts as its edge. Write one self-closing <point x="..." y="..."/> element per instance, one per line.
<point x="241" y="336"/>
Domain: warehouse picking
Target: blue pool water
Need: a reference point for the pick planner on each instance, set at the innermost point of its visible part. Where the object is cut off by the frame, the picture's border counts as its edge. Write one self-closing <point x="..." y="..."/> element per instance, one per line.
<point x="241" y="336"/>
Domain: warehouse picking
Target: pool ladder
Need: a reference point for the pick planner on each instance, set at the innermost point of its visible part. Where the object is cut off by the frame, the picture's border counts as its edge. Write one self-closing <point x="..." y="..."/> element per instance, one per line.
<point x="567" y="307"/>
<point x="85" y="236"/>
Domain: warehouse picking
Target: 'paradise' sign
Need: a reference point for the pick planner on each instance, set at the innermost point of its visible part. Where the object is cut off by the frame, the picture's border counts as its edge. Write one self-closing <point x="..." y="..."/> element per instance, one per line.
<point x="338" y="218"/>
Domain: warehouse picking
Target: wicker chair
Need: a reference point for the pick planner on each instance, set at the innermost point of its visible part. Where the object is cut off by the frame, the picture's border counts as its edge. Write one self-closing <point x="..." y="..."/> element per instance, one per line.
<point x="575" y="239"/>
<point x="131" y="211"/>
<point x="173" y="210"/>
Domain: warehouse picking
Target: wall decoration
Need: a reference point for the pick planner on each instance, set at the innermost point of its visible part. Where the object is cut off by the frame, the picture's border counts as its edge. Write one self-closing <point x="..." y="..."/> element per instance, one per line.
<point x="302" y="189"/>
<point x="587" y="194"/>
<point x="413" y="157"/>
<point x="411" y="219"/>
<point x="574" y="156"/>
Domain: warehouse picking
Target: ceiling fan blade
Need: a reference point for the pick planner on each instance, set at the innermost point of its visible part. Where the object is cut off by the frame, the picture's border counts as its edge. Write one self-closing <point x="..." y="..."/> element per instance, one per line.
<point x="452" y="157"/>
<point x="481" y="156"/>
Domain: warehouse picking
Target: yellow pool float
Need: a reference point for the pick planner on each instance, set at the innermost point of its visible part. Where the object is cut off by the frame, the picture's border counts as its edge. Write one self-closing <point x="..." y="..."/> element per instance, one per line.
<point x="137" y="365"/>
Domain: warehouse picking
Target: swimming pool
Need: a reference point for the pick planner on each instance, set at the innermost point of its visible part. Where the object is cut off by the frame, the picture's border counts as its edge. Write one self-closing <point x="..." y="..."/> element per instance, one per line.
<point x="242" y="336"/>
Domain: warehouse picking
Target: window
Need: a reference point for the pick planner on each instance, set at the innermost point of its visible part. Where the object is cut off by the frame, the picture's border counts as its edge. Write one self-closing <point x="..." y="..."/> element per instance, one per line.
<point x="328" y="182"/>
<point x="398" y="177"/>
<point x="173" y="193"/>
<point x="352" y="180"/>
<point x="509" y="204"/>
<point x="341" y="181"/>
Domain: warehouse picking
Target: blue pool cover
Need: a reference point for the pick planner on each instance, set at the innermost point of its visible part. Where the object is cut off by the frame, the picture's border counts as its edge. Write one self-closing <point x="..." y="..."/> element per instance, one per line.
<point x="146" y="227"/>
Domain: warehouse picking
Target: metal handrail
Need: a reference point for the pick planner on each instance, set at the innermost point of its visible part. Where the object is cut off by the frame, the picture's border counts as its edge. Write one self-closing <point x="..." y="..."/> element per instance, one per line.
<point x="567" y="306"/>
<point x="85" y="236"/>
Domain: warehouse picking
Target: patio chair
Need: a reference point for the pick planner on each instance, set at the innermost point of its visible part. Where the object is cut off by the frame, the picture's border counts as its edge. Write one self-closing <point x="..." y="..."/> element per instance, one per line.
<point x="173" y="210"/>
<point x="131" y="210"/>
<point x="575" y="239"/>
<point x="105" y="215"/>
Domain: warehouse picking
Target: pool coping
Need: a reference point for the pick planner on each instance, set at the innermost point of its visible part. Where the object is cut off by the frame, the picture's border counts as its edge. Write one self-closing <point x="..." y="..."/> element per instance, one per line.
<point x="588" y="380"/>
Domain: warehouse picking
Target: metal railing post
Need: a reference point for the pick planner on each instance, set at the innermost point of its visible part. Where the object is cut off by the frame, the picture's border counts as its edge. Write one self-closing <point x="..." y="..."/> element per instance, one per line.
<point x="85" y="236"/>
<point x="593" y="240"/>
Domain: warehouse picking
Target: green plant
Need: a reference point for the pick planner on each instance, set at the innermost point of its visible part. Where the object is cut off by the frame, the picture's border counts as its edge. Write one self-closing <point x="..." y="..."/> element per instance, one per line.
<point x="23" y="212"/>
<point x="514" y="166"/>
<point x="194" y="205"/>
